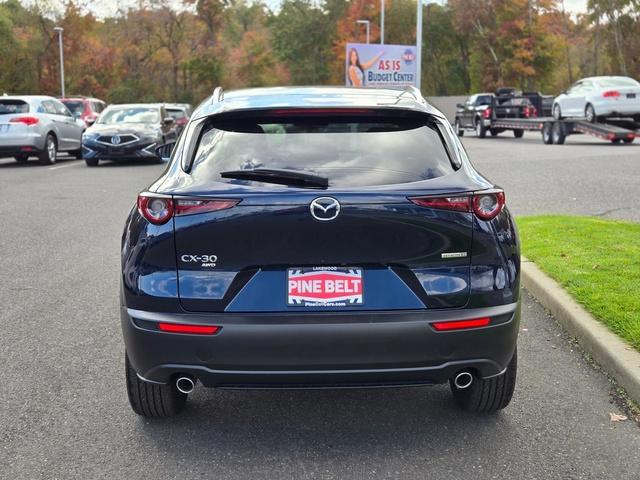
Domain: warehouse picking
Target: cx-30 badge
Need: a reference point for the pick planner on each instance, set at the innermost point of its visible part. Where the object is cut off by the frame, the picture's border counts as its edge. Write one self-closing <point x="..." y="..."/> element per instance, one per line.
<point x="324" y="208"/>
<point x="115" y="140"/>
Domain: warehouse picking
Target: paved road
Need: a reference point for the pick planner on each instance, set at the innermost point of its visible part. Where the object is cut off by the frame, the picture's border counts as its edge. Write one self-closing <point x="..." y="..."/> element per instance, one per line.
<point x="585" y="176"/>
<point x="64" y="412"/>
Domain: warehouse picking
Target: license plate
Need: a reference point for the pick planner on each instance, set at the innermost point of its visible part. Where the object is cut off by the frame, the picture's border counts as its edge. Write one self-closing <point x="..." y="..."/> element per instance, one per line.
<point x="631" y="95"/>
<point x="115" y="151"/>
<point x="324" y="287"/>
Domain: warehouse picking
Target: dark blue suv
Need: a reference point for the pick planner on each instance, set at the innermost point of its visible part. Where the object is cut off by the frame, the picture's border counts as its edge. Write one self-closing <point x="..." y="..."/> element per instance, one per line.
<point x="319" y="238"/>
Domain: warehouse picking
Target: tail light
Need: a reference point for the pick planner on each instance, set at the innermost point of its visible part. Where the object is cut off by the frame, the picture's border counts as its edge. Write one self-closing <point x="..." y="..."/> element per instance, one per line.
<point x="158" y="209"/>
<point x="191" y="206"/>
<point x="461" y="324"/>
<point x="486" y="113"/>
<point x="530" y="112"/>
<point x="485" y="205"/>
<point x="26" y="120"/>
<point x="611" y="94"/>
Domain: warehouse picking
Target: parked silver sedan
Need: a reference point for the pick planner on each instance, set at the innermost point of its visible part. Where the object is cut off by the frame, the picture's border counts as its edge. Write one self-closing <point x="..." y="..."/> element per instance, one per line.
<point x="38" y="126"/>
<point x="596" y="98"/>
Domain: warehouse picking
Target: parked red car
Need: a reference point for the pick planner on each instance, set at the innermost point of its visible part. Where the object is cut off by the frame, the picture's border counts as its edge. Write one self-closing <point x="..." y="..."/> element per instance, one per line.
<point x="86" y="109"/>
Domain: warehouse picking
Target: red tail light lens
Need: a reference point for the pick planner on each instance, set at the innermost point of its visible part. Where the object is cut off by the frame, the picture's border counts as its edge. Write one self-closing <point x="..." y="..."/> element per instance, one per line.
<point x="461" y="324"/>
<point x="191" y="206"/>
<point x="459" y="204"/>
<point x="487" y="112"/>
<point x="611" y="94"/>
<point x="156" y="209"/>
<point x="192" y="329"/>
<point x="487" y="206"/>
<point x="26" y="120"/>
<point x="530" y="112"/>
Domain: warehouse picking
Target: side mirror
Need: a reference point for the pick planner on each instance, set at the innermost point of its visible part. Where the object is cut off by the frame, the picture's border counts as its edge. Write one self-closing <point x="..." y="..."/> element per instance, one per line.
<point x="163" y="152"/>
<point x="168" y="120"/>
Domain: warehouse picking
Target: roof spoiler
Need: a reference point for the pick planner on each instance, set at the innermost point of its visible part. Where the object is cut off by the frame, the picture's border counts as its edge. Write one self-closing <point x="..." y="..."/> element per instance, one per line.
<point x="415" y="92"/>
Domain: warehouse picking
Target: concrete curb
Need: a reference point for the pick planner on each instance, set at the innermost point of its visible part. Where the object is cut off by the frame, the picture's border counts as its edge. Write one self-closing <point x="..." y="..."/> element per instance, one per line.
<point x="616" y="357"/>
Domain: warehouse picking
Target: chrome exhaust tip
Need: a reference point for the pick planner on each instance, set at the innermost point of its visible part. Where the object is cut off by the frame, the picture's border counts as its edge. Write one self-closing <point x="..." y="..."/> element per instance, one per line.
<point x="463" y="380"/>
<point x="185" y="384"/>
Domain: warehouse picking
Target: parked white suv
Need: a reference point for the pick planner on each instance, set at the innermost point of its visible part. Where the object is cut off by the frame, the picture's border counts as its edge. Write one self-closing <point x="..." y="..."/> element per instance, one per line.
<point x="35" y="125"/>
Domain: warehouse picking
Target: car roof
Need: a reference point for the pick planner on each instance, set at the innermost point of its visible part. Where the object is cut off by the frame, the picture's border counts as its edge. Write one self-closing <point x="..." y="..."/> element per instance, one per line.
<point x="600" y="77"/>
<point x="27" y="98"/>
<point x="309" y="97"/>
<point x="133" y="105"/>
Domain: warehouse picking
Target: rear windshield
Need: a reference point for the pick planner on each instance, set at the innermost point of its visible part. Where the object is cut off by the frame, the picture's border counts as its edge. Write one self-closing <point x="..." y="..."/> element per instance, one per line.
<point x="618" y="82"/>
<point x="176" y="113"/>
<point x="349" y="152"/>
<point x="13" y="106"/>
<point x="75" y="107"/>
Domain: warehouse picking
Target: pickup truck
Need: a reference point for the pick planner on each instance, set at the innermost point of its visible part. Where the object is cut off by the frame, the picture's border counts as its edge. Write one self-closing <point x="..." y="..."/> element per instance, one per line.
<point x="480" y="110"/>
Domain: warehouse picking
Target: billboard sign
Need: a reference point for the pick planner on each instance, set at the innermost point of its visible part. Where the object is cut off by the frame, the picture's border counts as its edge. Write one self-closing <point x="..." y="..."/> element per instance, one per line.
<point x="380" y="66"/>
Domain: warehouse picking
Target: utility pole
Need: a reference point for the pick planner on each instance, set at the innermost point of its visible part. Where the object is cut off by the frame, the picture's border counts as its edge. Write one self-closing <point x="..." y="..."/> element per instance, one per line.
<point x="381" y="22"/>
<point x="367" y="23"/>
<point x="419" y="44"/>
<point x="60" y="30"/>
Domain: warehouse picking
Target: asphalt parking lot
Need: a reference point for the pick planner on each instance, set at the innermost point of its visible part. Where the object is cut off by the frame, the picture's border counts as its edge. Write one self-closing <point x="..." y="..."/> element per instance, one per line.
<point x="64" y="409"/>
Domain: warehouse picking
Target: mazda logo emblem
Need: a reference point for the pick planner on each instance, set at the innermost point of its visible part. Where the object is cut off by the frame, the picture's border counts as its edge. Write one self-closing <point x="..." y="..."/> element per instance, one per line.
<point x="324" y="208"/>
<point x="115" y="139"/>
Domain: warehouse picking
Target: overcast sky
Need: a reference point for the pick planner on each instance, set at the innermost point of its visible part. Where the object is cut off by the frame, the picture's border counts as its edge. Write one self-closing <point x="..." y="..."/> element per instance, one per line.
<point x="105" y="8"/>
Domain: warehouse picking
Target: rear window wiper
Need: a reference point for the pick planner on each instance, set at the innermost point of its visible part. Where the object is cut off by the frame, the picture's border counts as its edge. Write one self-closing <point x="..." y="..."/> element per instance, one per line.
<point x="292" y="178"/>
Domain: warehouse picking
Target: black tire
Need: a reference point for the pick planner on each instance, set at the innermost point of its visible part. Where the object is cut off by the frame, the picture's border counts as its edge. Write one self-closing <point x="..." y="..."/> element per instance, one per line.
<point x="493" y="132"/>
<point x="21" y="158"/>
<point x="558" y="133"/>
<point x="547" y="139"/>
<point x="488" y="395"/>
<point x="49" y="154"/>
<point x="151" y="399"/>
<point x="91" y="162"/>
<point x="628" y="140"/>
<point x="616" y="140"/>
<point x="557" y="113"/>
<point x="481" y="130"/>
<point x="590" y="114"/>
<point x="459" y="130"/>
<point x="77" y="154"/>
<point x="518" y="133"/>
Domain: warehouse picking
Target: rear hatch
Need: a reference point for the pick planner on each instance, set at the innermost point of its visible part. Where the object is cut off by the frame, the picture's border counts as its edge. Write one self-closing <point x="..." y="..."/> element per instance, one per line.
<point x="359" y="244"/>
<point x="10" y="111"/>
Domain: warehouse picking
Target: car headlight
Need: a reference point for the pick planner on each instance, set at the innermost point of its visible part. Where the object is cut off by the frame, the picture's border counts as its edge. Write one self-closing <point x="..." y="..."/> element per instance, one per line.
<point x="89" y="136"/>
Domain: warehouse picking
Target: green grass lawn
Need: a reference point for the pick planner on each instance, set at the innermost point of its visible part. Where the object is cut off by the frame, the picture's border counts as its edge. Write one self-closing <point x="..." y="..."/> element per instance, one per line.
<point x="597" y="261"/>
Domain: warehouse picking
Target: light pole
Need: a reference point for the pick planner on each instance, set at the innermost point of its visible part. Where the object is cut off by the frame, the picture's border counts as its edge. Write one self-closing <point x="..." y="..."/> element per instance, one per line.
<point x="368" y="25"/>
<point x="381" y="22"/>
<point x="419" y="44"/>
<point x="60" y="30"/>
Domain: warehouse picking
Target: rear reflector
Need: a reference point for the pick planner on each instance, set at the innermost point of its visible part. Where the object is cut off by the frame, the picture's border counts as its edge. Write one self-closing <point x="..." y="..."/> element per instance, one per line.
<point x="192" y="329"/>
<point x="26" y="120"/>
<point x="461" y="324"/>
<point x="191" y="206"/>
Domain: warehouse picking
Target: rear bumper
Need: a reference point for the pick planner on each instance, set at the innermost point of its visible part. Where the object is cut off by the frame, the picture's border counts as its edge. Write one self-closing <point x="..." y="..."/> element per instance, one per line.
<point x="321" y="350"/>
<point x="24" y="144"/>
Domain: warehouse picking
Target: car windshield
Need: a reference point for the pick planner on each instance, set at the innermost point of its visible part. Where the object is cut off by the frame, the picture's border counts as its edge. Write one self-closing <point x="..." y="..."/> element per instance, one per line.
<point x="483" y="100"/>
<point x="618" y="82"/>
<point x="130" y="115"/>
<point x="76" y="107"/>
<point x="13" y="106"/>
<point x="349" y="152"/>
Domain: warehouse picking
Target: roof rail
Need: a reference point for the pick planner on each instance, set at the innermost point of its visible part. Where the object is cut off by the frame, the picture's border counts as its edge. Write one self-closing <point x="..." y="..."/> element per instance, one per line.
<point x="218" y="95"/>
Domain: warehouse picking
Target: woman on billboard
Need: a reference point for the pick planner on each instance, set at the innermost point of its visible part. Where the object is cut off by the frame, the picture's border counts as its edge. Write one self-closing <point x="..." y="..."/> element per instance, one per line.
<point x="356" y="69"/>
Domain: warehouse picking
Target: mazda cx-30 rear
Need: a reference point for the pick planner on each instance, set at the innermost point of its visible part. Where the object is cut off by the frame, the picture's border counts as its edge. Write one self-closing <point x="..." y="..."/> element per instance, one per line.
<point x="319" y="238"/>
